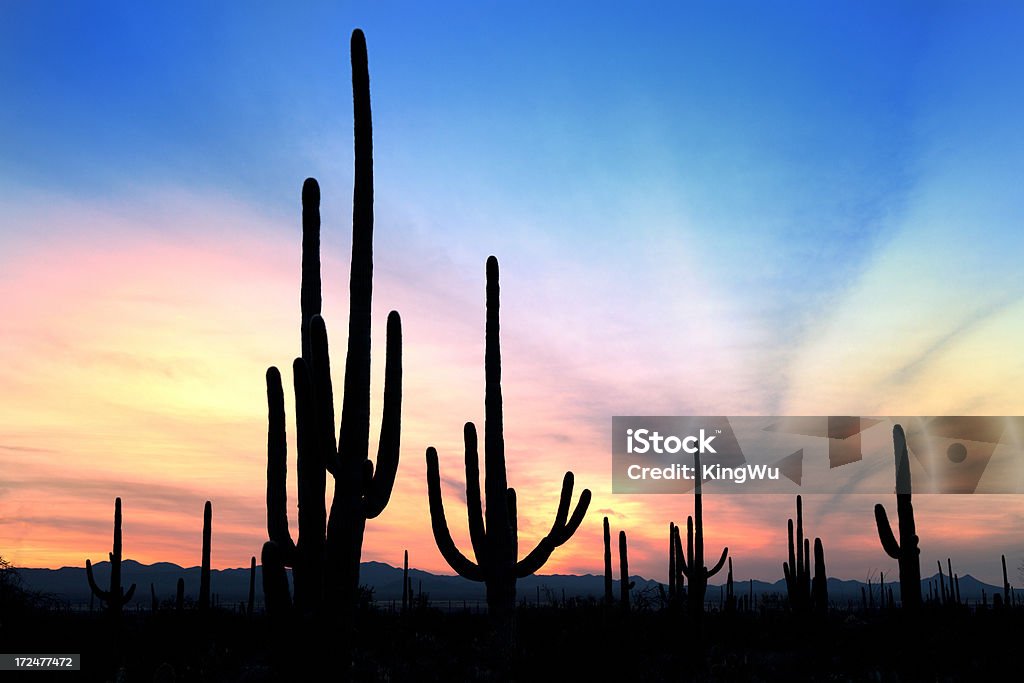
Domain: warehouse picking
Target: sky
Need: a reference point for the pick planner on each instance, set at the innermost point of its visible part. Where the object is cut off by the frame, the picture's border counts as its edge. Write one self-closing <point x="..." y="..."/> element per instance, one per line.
<point x="699" y="209"/>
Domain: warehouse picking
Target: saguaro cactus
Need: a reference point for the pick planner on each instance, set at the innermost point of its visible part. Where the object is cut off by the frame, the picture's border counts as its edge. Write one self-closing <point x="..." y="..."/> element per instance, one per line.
<point x="693" y="561"/>
<point x="804" y="593"/>
<point x="798" y="570"/>
<point x="906" y="552"/>
<point x="116" y="597"/>
<point x="405" y="582"/>
<point x="325" y="558"/>
<point x="625" y="585"/>
<point x="250" y="604"/>
<point x="608" y="597"/>
<point x="495" y="543"/>
<point x="204" y="573"/>
<point x="819" y="585"/>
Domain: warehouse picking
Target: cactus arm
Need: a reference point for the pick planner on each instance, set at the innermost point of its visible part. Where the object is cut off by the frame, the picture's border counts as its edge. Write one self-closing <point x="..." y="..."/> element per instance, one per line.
<point x="354" y="434"/>
<point x="439" y="525"/>
<point x="93" y="586"/>
<point x="721" y="561"/>
<point x="310" y="283"/>
<point x="687" y="560"/>
<point x="561" y="530"/>
<point x="885" y="535"/>
<point x="323" y="393"/>
<point x="128" y="596"/>
<point x="277" y="466"/>
<point x="477" y="535"/>
<point x="680" y="557"/>
<point x="380" y="487"/>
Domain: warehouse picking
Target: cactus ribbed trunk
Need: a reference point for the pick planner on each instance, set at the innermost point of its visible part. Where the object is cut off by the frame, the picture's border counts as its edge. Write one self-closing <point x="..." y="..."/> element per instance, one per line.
<point x="204" y="576"/>
<point x="325" y="558"/>
<point x="608" y="595"/>
<point x="693" y="567"/>
<point x="495" y="537"/>
<point x="625" y="585"/>
<point x="116" y="597"/>
<point x="905" y="551"/>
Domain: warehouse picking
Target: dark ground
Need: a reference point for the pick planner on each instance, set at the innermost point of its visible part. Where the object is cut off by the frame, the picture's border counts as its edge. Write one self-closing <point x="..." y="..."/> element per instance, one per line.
<point x="577" y="642"/>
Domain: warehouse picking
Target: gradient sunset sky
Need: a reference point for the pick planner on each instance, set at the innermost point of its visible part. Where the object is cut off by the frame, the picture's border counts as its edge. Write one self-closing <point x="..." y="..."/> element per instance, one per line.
<point x="708" y="209"/>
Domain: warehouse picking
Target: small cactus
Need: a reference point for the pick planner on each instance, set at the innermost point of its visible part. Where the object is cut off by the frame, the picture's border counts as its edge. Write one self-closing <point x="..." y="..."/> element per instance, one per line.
<point x="625" y="585"/>
<point x="693" y="561"/>
<point x="905" y="551"/>
<point x="117" y="597"/>
<point x="608" y="596"/>
<point x="250" y="604"/>
<point x="204" y="575"/>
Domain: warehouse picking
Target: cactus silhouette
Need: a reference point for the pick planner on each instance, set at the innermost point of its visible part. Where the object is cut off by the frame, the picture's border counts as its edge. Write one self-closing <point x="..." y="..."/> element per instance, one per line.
<point x="251" y="602"/>
<point x="325" y="558"/>
<point x="819" y="584"/>
<point x="405" y="582"/>
<point x="676" y="579"/>
<point x="496" y="542"/>
<point x="730" y="596"/>
<point x="804" y="593"/>
<point x="693" y="567"/>
<point x="608" y="597"/>
<point x="1006" y="583"/>
<point x="179" y="596"/>
<point x="116" y="597"/>
<point x="204" y="574"/>
<point x="906" y="551"/>
<point x="625" y="585"/>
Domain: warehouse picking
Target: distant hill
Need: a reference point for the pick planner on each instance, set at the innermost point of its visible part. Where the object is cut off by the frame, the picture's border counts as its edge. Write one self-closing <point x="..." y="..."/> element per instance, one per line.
<point x="231" y="586"/>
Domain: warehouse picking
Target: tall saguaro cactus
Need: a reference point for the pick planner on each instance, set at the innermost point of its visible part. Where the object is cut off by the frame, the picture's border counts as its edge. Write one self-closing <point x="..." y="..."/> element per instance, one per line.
<point x="608" y="596"/>
<point x="116" y="597"/>
<point x="204" y="573"/>
<point x="325" y="558"/>
<point x="905" y="551"/>
<point x="496" y="542"/>
<point x="693" y="561"/>
<point x="625" y="585"/>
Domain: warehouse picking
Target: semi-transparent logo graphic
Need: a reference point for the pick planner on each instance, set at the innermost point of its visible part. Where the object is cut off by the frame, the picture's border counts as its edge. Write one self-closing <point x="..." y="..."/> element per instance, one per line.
<point x="835" y="454"/>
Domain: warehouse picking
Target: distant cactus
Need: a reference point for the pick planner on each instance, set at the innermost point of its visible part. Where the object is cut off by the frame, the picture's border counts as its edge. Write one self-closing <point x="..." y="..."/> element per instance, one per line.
<point x="819" y="585"/>
<point x="405" y="583"/>
<point x="155" y="604"/>
<point x="325" y="558"/>
<point x="625" y="585"/>
<point x="116" y="597"/>
<point x="204" y="574"/>
<point x="251" y="603"/>
<point x="693" y="561"/>
<point x="677" y="580"/>
<point x="608" y="597"/>
<point x="1006" y="583"/>
<point x="671" y="562"/>
<point x="496" y="543"/>
<point x="906" y="551"/>
<point x="805" y="594"/>
<point x="730" y="596"/>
